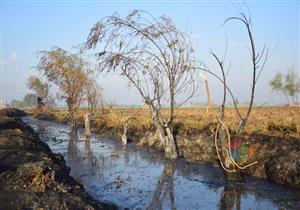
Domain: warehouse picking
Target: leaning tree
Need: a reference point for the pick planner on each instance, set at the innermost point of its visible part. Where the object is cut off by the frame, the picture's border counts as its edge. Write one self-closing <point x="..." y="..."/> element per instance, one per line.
<point x="41" y="90"/>
<point x="69" y="72"/>
<point x="155" y="57"/>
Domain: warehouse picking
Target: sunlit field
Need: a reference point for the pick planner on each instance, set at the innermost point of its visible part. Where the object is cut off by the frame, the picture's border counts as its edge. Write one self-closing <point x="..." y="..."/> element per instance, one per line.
<point x="264" y="120"/>
<point x="158" y="105"/>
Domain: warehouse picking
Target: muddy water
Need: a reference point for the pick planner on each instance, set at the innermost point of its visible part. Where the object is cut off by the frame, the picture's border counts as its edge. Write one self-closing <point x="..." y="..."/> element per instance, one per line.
<point x="135" y="178"/>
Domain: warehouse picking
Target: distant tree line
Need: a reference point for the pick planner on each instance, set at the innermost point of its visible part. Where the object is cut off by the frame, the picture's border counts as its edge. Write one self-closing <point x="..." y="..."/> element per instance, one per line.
<point x="288" y="85"/>
<point x="29" y="100"/>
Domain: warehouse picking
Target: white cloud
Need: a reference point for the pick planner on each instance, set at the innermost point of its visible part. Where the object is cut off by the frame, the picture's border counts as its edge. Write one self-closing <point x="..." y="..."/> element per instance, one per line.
<point x="13" y="56"/>
<point x="2" y="62"/>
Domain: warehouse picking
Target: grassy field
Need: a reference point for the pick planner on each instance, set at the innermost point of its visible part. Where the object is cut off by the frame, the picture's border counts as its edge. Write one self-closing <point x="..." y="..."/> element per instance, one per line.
<point x="189" y="121"/>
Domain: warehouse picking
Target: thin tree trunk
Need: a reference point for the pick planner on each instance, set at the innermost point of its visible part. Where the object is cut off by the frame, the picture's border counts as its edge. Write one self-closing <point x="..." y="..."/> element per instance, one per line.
<point x="167" y="138"/>
<point x="165" y="134"/>
<point x="72" y="118"/>
<point x="72" y="112"/>
<point x="40" y="103"/>
<point x="208" y="95"/>
<point x="124" y="135"/>
<point x="87" y="125"/>
<point x="170" y="146"/>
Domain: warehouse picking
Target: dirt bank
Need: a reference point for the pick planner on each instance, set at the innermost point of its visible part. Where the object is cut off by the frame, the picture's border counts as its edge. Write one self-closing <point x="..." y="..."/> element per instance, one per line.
<point x="278" y="156"/>
<point x="31" y="176"/>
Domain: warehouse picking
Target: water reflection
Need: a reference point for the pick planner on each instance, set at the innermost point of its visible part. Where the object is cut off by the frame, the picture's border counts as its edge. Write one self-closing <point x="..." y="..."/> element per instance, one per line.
<point x="87" y="146"/>
<point x="72" y="157"/>
<point x="165" y="188"/>
<point x="231" y="198"/>
<point x="126" y="156"/>
<point x="81" y="163"/>
<point x="72" y="146"/>
<point x="133" y="178"/>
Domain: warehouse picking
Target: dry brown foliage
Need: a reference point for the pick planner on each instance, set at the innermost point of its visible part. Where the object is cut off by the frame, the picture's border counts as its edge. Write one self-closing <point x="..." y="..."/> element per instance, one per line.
<point x="277" y="121"/>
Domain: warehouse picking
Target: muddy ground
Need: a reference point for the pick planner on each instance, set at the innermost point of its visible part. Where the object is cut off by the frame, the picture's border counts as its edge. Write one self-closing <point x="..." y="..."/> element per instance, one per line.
<point x="278" y="157"/>
<point x="31" y="176"/>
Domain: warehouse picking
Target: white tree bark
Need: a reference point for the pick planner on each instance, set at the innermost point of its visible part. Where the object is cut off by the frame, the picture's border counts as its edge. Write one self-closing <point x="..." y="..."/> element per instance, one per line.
<point x="124" y="136"/>
<point x="87" y="125"/>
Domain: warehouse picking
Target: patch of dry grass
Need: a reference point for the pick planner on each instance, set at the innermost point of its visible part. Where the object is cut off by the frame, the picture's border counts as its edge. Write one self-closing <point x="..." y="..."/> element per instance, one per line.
<point x="188" y="121"/>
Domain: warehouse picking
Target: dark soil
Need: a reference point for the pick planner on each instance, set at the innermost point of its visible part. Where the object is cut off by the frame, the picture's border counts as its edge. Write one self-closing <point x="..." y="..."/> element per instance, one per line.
<point x="45" y="116"/>
<point x="284" y="166"/>
<point x="31" y="176"/>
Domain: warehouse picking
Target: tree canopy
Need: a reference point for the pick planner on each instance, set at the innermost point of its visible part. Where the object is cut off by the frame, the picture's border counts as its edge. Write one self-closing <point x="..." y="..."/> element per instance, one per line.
<point x="41" y="89"/>
<point x="288" y="84"/>
<point x="155" y="57"/>
<point x="69" y="72"/>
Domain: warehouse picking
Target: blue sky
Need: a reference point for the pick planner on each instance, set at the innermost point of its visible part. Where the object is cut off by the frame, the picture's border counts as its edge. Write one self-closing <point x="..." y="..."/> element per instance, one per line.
<point x="31" y="26"/>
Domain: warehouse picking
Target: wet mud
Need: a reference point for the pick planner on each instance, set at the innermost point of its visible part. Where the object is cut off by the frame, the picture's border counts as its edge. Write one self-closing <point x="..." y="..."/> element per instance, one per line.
<point x="31" y="176"/>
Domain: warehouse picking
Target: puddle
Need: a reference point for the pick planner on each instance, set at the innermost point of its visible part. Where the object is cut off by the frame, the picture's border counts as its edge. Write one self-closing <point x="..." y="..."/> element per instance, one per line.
<point x="137" y="178"/>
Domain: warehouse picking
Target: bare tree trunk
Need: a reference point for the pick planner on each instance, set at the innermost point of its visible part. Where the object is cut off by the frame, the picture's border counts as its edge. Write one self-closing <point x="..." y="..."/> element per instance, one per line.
<point x="170" y="146"/>
<point x="124" y="135"/>
<point x="167" y="138"/>
<point x="222" y="138"/>
<point x="40" y="103"/>
<point x="125" y="130"/>
<point x="72" y="119"/>
<point x="165" y="133"/>
<point x="208" y="95"/>
<point x="71" y="113"/>
<point x="87" y="125"/>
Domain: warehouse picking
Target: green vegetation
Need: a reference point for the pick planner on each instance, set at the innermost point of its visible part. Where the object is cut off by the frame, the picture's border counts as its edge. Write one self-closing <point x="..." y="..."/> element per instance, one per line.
<point x="288" y="84"/>
<point x="41" y="90"/>
<point x="29" y="100"/>
<point x="70" y="73"/>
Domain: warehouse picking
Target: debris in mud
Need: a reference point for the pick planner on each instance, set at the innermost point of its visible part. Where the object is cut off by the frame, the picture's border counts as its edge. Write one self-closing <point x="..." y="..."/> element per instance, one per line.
<point x="119" y="182"/>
